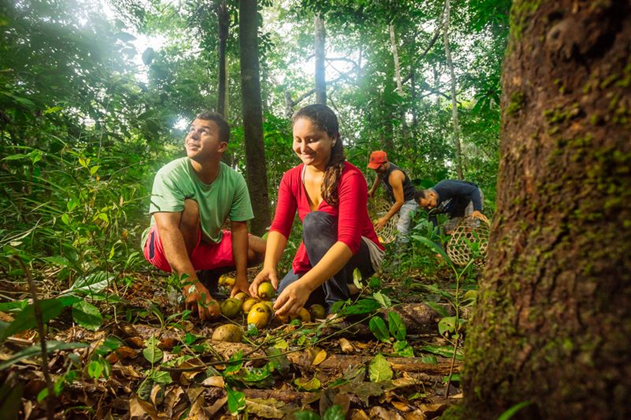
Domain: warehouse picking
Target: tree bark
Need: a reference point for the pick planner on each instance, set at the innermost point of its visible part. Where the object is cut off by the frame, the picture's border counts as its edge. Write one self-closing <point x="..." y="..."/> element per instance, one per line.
<point x="553" y="322"/>
<point x="320" y="55"/>
<point x="454" y="102"/>
<point x="222" y="89"/>
<point x="252" y="115"/>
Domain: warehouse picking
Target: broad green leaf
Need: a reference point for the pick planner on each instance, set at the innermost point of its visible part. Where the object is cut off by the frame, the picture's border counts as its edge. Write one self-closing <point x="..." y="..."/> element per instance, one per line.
<point x="334" y="412"/>
<point x="434" y="246"/>
<point x="379" y="329"/>
<point x="447" y="324"/>
<point x="382" y="299"/>
<point x="379" y="369"/>
<point x="11" y="398"/>
<point x="403" y="349"/>
<point x="278" y="360"/>
<point x="53" y="109"/>
<point x="87" y="315"/>
<point x="429" y="359"/>
<point x="236" y="401"/>
<point x="152" y="353"/>
<point x="442" y="311"/>
<point x="160" y="377"/>
<point x="363" y="306"/>
<point x="95" y="369"/>
<point x="444" y="351"/>
<point x="307" y="415"/>
<point x="396" y="326"/>
<point x="94" y="169"/>
<point x="25" y="320"/>
<point x="312" y="384"/>
<point x="12" y="306"/>
<point x="357" y="278"/>
<point x="92" y="283"/>
<point x="34" y="350"/>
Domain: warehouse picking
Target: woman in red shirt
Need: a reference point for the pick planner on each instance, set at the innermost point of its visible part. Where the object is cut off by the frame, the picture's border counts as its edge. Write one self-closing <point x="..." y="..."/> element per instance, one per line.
<point x="330" y="196"/>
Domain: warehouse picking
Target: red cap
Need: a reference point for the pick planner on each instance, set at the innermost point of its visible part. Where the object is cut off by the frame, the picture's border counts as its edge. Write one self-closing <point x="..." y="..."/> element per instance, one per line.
<point x="377" y="158"/>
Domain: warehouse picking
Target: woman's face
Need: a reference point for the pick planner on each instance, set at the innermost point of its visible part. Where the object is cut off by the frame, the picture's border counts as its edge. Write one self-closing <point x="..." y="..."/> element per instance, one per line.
<point x="312" y="145"/>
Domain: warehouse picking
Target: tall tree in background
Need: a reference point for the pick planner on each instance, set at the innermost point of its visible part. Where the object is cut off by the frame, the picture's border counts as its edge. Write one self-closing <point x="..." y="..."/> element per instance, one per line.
<point x="553" y="322"/>
<point x="252" y="115"/>
<point x="320" y="56"/>
<point x="223" y="19"/>
<point x="454" y="101"/>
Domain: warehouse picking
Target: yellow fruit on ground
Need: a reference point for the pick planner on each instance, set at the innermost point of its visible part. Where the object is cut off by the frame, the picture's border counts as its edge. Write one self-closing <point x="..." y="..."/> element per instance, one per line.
<point x="280" y="319"/>
<point x="317" y="311"/>
<point x="226" y="281"/>
<point x="303" y="315"/>
<point x="247" y="305"/>
<point x="266" y="291"/>
<point x="270" y="306"/>
<point x="229" y="333"/>
<point x="231" y="307"/>
<point x="242" y="296"/>
<point x="259" y="315"/>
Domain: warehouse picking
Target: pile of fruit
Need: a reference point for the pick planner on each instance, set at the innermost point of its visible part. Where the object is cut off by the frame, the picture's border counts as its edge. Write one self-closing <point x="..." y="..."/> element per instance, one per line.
<point x="258" y="311"/>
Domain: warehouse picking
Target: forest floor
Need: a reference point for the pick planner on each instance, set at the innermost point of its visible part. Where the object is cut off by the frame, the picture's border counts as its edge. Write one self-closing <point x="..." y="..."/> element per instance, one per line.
<point x="150" y="359"/>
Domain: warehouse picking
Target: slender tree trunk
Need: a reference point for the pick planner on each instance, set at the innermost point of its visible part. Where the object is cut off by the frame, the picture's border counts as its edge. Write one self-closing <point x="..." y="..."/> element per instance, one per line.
<point x="222" y="89"/>
<point x="553" y="322"/>
<point x="397" y="76"/>
<point x="320" y="55"/>
<point x="252" y="115"/>
<point x="454" y="102"/>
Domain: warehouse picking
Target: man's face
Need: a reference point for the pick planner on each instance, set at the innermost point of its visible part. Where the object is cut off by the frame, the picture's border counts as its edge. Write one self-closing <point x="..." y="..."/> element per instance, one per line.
<point x="429" y="202"/>
<point x="202" y="141"/>
<point x="382" y="169"/>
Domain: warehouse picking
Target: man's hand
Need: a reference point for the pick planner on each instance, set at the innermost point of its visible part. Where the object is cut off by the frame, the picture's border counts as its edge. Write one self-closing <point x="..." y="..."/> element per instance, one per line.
<point x="381" y="223"/>
<point x="266" y="274"/>
<point x="370" y="193"/>
<point x="292" y="299"/>
<point x="480" y="216"/>
<point x="240" y="285"/>
<point x="199" y="301"/>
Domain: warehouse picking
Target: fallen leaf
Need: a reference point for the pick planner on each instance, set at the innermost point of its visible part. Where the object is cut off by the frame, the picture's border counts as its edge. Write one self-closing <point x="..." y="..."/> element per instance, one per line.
<point x="157" y="395"/>
<point x="216" y="381"/>
<point x="346" y="346"/>
<point x="401" y="406"/>
<point x="320" y="357"/>
<point x="432" y="410"/>
<point x="415" y="415"/>
<point x="198" y="409"/>
<point x="384" y="414"/>
<point x="264" y="409"/>
<point x="139" y="409"/>
<point x="310" y="385"/>
<point x="217" y="406"/>
<point x="359" y="415"/>
<point x="457" y="396"/>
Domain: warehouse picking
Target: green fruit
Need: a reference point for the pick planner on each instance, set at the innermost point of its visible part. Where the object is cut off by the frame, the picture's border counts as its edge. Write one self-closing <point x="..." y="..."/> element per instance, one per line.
<point x="247" y="305"/>
<point x="231" y="307"/>
<point x="266" y="291"/>
<point x="317" y="311"/>
<point x="303" y="315"/>
<point x="229" y="333"/>
<point x="242" y="296"/>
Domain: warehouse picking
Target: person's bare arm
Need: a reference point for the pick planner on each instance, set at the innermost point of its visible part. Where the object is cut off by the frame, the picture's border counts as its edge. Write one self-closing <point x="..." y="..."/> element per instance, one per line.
<point x="176" y="254"/>
<point x="240" y="255"/>
<point x="396" y="182"/>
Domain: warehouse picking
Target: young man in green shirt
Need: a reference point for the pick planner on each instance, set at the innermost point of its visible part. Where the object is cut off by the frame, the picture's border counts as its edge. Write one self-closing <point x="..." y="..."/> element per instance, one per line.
<point x="191" y="199"/>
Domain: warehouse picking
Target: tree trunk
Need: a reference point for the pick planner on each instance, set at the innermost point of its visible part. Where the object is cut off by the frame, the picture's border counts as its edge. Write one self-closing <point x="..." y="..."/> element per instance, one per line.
<point x="320" y="55"/>
<point x="454" y="101"/>
<point x="553" y="322"/>
<point x="222" y="88"/>
<point x="252" y="115"/>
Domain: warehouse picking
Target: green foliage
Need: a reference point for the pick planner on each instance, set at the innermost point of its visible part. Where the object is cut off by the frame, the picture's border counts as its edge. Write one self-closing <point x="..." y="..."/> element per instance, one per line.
<point x="379" y="369"/>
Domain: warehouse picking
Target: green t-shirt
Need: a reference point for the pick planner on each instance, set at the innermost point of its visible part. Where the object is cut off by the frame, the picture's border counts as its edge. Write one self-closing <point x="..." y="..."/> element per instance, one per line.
<point x="225" y="198"/>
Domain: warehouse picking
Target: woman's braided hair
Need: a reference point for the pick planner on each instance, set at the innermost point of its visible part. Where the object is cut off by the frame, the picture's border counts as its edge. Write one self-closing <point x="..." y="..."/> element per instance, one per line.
<point x="325" y="119"/>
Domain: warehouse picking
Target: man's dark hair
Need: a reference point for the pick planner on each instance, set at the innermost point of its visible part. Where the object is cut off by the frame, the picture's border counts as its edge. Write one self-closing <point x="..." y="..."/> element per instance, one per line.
<point x="224" y="127"/>
<point x="421" y="194"/>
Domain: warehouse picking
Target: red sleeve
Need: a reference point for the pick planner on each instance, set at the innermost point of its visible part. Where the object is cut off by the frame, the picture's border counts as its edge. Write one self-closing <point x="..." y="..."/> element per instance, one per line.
<point x="286" y="207"/>
<point x="353" y="199"/>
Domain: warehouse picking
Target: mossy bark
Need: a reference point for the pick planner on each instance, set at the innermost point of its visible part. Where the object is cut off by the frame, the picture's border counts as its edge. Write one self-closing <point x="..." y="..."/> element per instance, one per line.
<point x="553" y="322"/>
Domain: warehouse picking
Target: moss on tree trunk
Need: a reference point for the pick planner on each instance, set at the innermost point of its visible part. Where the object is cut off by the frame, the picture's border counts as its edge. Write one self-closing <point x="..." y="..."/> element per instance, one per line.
<point x="553" y="322"/>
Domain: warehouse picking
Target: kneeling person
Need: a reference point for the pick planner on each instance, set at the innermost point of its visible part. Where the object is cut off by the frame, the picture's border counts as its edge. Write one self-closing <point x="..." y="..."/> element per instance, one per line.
<point x="455" y="198"/>
<point x="191" y="199"/>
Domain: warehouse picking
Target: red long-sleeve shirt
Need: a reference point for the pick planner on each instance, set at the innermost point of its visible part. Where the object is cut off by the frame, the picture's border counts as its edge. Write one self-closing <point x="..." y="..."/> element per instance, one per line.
<point x="351" y="212"/>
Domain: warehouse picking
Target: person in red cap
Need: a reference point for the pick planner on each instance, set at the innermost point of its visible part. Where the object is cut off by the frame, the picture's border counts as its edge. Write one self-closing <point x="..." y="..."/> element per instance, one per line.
<point x="400" y="190"/>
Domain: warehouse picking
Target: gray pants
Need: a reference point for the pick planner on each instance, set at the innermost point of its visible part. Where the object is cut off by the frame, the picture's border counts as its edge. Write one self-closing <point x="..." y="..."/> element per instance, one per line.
<point x="405" y="219"/>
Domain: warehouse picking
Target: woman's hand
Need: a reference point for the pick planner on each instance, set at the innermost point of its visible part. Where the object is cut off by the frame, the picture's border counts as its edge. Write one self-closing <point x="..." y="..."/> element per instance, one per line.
<point x="292" y="299"/>
<point x="266" y="274"/>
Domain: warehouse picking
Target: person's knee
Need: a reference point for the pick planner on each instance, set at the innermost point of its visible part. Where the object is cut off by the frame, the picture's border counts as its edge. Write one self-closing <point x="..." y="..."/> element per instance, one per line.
<point x="256" y="249"/>
<point x="315" y="222"/>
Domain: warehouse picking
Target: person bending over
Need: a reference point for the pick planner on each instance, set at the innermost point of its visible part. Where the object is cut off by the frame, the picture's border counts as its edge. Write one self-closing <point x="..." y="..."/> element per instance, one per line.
<point x="330" y="196"/>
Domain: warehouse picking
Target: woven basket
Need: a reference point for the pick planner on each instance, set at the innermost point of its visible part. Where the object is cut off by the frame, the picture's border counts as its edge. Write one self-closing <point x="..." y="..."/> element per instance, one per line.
<point x="469" y="230"/>
<point x="377" y="208"/>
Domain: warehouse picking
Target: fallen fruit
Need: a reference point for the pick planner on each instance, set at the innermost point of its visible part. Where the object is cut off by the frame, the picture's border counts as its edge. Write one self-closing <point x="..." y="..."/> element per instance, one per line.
<point x="229" y="333"/>
<point x="317" y="311"/>
<point x="303" y="315"/>
<point x="270" y="306"/>
<point x="242" y="296"/>
<point x="247" y="305"/>
<point x="226" y="281"/>
<point x="231" y="307"/>
<point x="259" y="315"/>
<point x="266" y="291"/>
